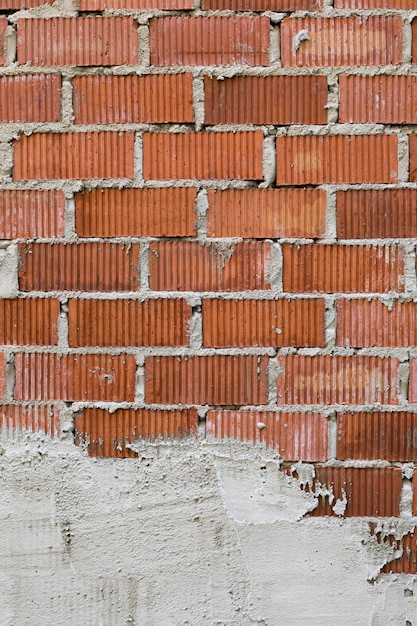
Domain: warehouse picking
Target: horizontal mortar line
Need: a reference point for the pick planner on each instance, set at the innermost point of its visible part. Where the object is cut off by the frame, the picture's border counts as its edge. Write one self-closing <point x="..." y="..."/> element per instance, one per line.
<point x="326" y="409"/>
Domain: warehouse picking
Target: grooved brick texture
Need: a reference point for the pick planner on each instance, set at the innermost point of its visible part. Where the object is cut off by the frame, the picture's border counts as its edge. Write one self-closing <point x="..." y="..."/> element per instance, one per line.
<point x="208" y="218"/>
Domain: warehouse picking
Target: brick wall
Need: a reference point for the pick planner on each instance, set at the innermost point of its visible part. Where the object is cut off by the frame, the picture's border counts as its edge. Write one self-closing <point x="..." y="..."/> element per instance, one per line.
<point x="209" y="222"/>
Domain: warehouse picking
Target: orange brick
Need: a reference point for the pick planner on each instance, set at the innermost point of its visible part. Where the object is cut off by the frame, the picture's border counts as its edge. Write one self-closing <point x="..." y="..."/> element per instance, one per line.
<point x="337" y="380"/>
<point x="369" y="436"/>
<point x="378" y="99"/>
<point x="45" y="156"/>
<point x="209" y="41"/>
<point x="167" y="5"/>
<point x="114" y="434"/>
<point x="203" y="156"/>
<point x="266" y="213"/>
<point x="128" y="323"/>
<point x="261" y="5"/>
<point x="190" y="266"/>
<point x="314" y="159"/>
<point x="405" y="555"/>
<point x="339" y="41"/>
<point x="34" y="98"/>
<point x="2" y="375"/>
<point x="413" y="157"/>
<point x="133" y="99"/>
<point x="215" y="380"/>
<point x="75" y="377"/>
<point x="31" y="213"/>
<point x="412" y="387"/>
<point x="296" y="436"/>
<point x="374" y="4"/>
<point x="325" y="268"/>
<point x="112" y="212"/>
<point x="277" y="323"/>
<point x="266" y="100"/>
<point x="3" y="26"/>
<point x="67" y="41"/>
<point x="78" y="267"/>
<point x="376" y="213"/>
<point x="356" y="492"/>
<point x="370" y="323"/>
<point x="15" y="420"/>
<point x="29" y="321"/>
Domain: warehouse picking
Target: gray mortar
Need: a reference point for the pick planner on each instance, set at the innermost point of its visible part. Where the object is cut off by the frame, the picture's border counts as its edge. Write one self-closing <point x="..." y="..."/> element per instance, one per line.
<point x="198" y="102"/>
<point x="201" y="208"/>
<point x="330" y="321"/>
<point x="269" y="162"/>
<point x="63" y="327"/>
<point x="403" y="158"/>
<point x="144" y="50"/>
<point x="10" y="45"/>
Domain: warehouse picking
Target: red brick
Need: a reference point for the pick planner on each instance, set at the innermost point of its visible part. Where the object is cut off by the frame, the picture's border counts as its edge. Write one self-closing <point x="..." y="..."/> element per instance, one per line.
<point x="405" y="556"/>
<point x="7" y="5"/>
<point x="203" y="156"/>
<point x="277" y="323"/>
<point x="128" y="323"/>
<point x="133" y="99"/>
<point x="114" y="434"/>
<point x="215" y="380"/>
<point x="374" y="4"/>
<point x="266" y="213"/>
<point x="337" y="380"/>
<point x="75" y="377"/>
<point x="296" y="436"/>
<point x="45" y="156"/>
<point x="414" y="39"/>
<point x="29" y="321"/>
<point x="315" y="159"/>
<point x="325" y="268"/>
<point x="68" y="41"/>
<point x="167" y="5"/>
<point x="209" y="41"/>
<point x="378" y="99"/>
<point x="190" y="266"/>
<point x="266" y="100"/>
<point x="31" y="213"/>
<point x="370" y="323"/>
<point x="412" y="387"/>
<point x="3" y="26"/>
<point x="385" y="436"/>
<point x="261" y="5"/>
<point x="413" y="157"/>
<point x="35" y="98"/>
<point x="112" y="212"/>
<point x="366" y="492"/>
<point x="340" y="41"/>
<point x="376" y="213"/>
<point x="2" y="375"/>
<point x="15" y="420"/>
<point x="78" y="267"/>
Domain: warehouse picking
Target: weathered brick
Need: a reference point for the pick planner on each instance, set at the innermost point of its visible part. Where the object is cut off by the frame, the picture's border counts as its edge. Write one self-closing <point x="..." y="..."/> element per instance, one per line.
<point x="266" y="100"/>
<point x="209" y="41"/>
<point x="75" y="377"/>
<point x="115" y="434"/>
<point x="370" y="323"/>
<point x="128" y="322"/>
<point x="133" y="99"/>
<point x="378" y="99"/>
<point x="412" y="386"/>
<point x="296" y="436"/>
<point x="369" y="436"/>
<point x="355" y="492"/>
<point x="2" y="375"/>
<point x="266" y="213"/>
<point x="376" y="213"/>
<point x="78" y="267"/>
<point x="404" y="559"/>
<point x="315" y="159"/>
<point x="326" y="268"/>
<point x="413" y="157"/>
<point x="16" y="419"/>
<point x="229" y="323"/>
<point x="3" y="26"/>
<point x="374" y="4"/>
<point x="33" y="98"/>
<point x="203" y="156"/>
<point x="31" y="213"/>
<point x="44" y="156"/>
<point x="167" y="5"/>
<point x="215" y="380"/>
<point x="68" y="41"/>
<point x="339" y="41"/>
<point x="330" y="380"/>
<point x="190" y="266"/>
<point x="261" y="5"/>
<point x="29" y="321"/>
<point x="112" y="212"/>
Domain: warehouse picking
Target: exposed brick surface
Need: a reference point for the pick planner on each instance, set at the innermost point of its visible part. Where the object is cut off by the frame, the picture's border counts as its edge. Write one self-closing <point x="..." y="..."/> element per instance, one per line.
<point x="269" y="100"/>
<point x="313" y="160"/>
<point x="115" y="434"/>
<point x="413" y="157"/>
<point x="209" y="41"/>
<point x="74" y="155"/>
<point x="16" y="419"/>
<point x="216" y="380"/>
<point x="2" y="375"/>
<point x="189" y="266"/>
<point x="100" y="5"/>
<point x="262" y="5"/>
<point x="3" y="26"/>
<point x="337" y="380"/>
<point x="412" y="390"/>
<point x="169" y="156"/>
<point x="31" y="213"/>
<point x="35" y="98"/>
<point x="31" y="321"/>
